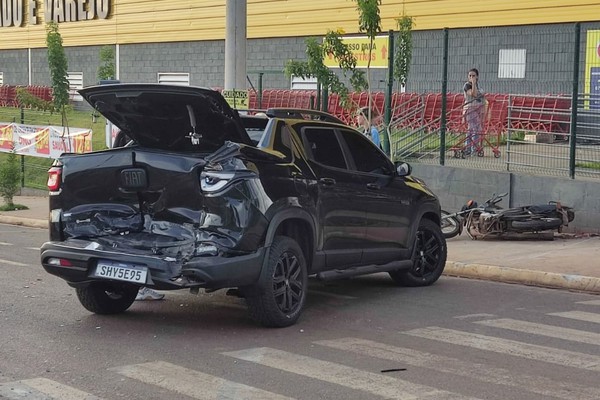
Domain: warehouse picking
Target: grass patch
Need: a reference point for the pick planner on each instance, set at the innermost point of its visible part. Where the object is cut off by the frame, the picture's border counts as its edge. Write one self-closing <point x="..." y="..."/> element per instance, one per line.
<point x="35" y="169"/>
<point x="14" y="207"/>
<point x="588" y="165"/>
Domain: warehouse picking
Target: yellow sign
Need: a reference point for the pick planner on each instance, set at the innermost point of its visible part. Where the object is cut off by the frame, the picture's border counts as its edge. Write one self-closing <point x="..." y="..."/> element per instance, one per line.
<point x="237" y="99"/>
<point x="592" y="69"/>
<point x="359" y="46"/>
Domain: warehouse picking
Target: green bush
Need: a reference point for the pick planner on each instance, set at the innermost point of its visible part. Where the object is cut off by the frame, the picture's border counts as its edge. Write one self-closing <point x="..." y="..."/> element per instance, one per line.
<point x="10" y="178"/>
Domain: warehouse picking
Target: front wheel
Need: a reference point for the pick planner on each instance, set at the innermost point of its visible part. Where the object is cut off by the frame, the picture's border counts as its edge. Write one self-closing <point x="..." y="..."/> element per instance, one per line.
<point x="106" y="298"/>
<point x="278" y="298"/>
<point x="450" y="225"/>
<point x="429" y="257"/>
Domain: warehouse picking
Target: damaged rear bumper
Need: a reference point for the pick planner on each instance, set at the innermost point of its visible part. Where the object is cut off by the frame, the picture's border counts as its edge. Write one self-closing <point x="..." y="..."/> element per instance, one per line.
<point x="211" y="272"/>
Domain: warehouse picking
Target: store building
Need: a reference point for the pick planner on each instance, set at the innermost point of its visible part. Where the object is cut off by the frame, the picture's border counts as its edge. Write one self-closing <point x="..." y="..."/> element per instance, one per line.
<point x="519" y="46"/>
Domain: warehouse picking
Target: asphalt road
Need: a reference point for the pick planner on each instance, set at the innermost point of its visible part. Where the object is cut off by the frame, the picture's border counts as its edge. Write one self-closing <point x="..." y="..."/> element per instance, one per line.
<point x="358" y="339"/>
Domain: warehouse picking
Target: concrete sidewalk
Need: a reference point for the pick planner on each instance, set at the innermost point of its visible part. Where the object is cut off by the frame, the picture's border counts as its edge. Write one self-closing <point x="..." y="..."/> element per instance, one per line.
<point x="569" y="261"/>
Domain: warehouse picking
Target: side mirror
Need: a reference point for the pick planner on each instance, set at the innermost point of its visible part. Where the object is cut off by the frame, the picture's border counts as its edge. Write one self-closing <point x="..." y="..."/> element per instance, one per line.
<point x="403" y="169"/>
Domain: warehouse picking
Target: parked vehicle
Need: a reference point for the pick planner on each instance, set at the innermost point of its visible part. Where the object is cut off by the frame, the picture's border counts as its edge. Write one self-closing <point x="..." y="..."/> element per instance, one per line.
<point x="193" y="202"/>
<point x="480" y="221"/>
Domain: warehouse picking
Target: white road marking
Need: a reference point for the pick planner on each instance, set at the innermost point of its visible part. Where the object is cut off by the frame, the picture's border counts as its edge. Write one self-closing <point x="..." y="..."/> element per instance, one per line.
<point x="509" y="347"/>
<point x="193" y="383"/>
<point x="485" y="373"/>
<point x="557" y="332"/>
<point x="6" y="244"/>
<point x="33" y="248"/>
<point x="579" y="315"/>
<point x="590" y="302"/>
<point x="17" y="264"/>
<point x="42" y="389"/>
<point x="369" y="382"/>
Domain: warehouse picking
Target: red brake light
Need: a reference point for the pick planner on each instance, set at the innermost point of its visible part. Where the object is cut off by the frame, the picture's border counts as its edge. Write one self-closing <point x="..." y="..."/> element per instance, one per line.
<point x="54" y="178"/>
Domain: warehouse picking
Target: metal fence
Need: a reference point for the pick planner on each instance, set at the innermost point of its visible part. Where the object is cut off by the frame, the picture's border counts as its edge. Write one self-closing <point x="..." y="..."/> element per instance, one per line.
<point x="553" y="129"/>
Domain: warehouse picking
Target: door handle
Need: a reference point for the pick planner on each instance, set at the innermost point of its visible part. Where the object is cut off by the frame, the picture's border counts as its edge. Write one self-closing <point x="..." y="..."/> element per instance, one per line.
<point x="327" y="181"/>
<point x="373" y="186"/>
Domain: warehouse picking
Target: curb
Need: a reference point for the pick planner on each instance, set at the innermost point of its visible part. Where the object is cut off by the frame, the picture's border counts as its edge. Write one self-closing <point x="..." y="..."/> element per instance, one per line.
<point x="21" y="221"/>
<point x="528" y="277"/>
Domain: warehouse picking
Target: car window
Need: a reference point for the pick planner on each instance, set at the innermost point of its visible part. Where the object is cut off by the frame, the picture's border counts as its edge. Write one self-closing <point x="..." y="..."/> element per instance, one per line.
<point x="322" y="146"/>
<point x="367" y="157"/>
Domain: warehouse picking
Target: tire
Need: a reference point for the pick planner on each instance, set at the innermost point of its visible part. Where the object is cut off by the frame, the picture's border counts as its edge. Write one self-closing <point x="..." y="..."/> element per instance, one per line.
<point x="450" y="225"/>
<point x="278" y="299"/>
<point x="542" y="224"/>
<point x="106" y="298"/>
<point x="429" y="260"/>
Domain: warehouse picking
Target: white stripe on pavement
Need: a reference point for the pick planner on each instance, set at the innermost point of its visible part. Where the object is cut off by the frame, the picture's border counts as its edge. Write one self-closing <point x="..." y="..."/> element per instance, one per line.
<point x="193" y="383"/>
<point x="33" y="248"/>
<point x="5" y="244"/>
<point x="590" y="302"/>
<point x="42" y="389"/>
<point x="369" y="382"/>
<point x="509" y="347"/>
<point x="579" y="315"/>
<point x="500" y="376"/>
<point x="557" y="332"/>
<point x="17" y="264"/>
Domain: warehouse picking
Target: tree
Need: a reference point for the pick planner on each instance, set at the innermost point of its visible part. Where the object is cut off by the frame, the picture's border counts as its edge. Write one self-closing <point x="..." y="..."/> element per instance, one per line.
<point x="369" y="22"/>
<point x="57" y="62"/>
<point x="403" y="50"/>
<point x="332" y="45"/>
<point x="106" y="69"/>
<point x="10" y="177"/>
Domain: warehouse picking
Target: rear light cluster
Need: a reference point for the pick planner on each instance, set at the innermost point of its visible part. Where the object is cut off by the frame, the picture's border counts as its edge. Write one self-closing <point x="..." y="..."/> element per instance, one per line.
<point x="54" y="178"/>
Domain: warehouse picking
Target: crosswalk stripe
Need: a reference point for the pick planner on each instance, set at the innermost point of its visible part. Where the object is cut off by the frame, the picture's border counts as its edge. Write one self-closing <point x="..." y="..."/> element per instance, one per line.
<point x="5" y="244"/>
<point x="42" y="389"/>
<point x="579" y="315"/>
<point x="16" y="264"/>
<point x="379" y="385"/>
<point x="590" y="302"/>
<point x="509" y="347"/>
<point x="193" y="383"/>
<point x="557" y="332"/>
<point x="500" y="376"/>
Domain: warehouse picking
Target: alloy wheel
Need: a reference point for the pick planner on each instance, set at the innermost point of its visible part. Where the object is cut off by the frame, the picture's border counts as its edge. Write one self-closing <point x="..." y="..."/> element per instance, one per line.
<point x="288" y="286"/>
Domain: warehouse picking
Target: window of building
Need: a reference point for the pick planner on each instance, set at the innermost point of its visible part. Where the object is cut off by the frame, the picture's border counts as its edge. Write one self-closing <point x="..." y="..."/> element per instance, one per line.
<point x="511" y="63"/>
<point x="75" y="83"/>
<point x="174" y="78"/>
<point x="304" y="84"/>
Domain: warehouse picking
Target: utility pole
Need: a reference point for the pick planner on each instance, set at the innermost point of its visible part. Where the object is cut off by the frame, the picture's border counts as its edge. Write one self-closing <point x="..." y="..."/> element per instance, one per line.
<point x="235" y="44"/>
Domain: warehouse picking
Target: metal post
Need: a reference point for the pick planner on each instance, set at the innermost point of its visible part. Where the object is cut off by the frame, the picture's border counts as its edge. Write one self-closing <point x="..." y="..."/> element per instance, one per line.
<point x="388" y="96"/>
<point x="574" y="101"/>
<point x="22" y="156"/>
<point x="235" y="44"/>
<point x="318" y="96"/>
<point x="260" y="89"/>
<point x="325" y="97"/>
<point x="444" y="100"/>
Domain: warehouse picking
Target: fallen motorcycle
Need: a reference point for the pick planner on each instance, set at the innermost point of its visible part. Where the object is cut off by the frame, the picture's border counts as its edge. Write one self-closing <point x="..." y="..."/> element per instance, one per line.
<point x="452" y="223"/>
<point x="480" y="221"/>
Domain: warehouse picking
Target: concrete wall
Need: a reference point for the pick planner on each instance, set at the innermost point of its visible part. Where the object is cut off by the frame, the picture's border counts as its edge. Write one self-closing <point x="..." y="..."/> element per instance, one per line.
<point x="454" y="186"/>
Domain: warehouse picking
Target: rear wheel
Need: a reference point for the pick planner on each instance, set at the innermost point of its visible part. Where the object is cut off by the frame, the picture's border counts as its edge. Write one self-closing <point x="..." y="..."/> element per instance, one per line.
<point x="450" y="225"/>
<point x="278" y="298"/>
<point x="429" y="257"/>
<point x="106" y="298"/>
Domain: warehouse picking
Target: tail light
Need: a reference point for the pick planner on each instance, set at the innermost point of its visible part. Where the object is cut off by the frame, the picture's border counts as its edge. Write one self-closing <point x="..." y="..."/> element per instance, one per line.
<point x="54" y="178"/>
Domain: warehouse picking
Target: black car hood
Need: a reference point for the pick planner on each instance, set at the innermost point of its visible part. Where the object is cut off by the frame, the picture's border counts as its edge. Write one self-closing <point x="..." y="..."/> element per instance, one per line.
<point x="163" y="116"/>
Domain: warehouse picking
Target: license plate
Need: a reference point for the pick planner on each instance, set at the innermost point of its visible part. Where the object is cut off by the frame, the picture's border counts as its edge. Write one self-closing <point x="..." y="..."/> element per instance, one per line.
<point x="121" y="271"/>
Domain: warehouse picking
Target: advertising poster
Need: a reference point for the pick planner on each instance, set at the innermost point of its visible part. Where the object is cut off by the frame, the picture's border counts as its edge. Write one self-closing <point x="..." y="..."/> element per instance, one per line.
<point x="592" y="69"/>
<point x="44" y="141"/>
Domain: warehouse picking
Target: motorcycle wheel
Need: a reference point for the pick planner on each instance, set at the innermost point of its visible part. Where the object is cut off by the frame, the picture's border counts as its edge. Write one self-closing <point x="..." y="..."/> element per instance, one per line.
<point x="450" y="225"/>
<point x="537" y="225"/>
